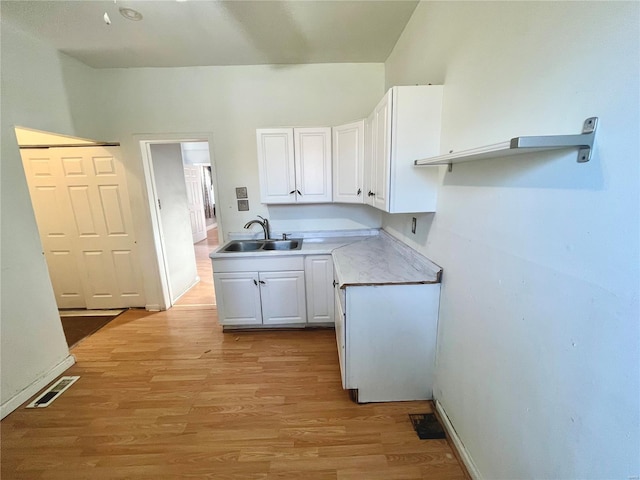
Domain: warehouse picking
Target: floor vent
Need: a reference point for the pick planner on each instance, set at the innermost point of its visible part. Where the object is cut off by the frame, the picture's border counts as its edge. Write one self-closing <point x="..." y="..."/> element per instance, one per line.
<point x="427" y="426"/>
<point x="53" y="392"/>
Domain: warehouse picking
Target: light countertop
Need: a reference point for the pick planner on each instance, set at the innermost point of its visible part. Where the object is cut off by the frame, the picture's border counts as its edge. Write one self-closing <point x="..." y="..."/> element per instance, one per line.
<point x="368" y="257"/>
<point x="382" y="260"/>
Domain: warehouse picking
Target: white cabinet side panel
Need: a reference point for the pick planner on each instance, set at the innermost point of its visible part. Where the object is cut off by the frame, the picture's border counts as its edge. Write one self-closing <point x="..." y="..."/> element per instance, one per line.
<point x="417" y="115"/>
<point x="391" y="341"/>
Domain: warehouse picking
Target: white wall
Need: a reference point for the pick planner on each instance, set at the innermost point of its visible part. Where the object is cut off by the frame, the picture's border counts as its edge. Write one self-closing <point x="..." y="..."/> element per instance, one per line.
<point x="231" y="102"/>
<point x="538" y="362"/>
<point x="195" y="153"/>
<point x="33" y="95"/>
<point x="171" y="189"/>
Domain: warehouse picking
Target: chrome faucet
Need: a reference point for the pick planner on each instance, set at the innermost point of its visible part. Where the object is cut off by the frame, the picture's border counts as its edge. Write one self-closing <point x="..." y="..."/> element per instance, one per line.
<point x="264" y="223"/>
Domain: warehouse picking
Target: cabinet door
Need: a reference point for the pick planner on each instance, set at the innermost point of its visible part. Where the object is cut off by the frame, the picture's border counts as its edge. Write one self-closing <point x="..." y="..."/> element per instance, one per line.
<point x="348" y="163"/>
<point x="276" y="165"/>
<point x="318" y="273"/>
<point x="369" y="160"/>
<point x="282" y="295"/>
<point x="382" y="152"/>
<point x="313" y="164"/>
<point x="238" y="298"/>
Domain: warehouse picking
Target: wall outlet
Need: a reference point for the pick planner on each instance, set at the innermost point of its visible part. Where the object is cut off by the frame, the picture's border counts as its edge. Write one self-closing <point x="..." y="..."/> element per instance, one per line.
<point x="413" y="225"/>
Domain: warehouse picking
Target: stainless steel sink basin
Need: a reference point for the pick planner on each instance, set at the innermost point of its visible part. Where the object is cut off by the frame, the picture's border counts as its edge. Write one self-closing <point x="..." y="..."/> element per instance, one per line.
<point x="243" y="246"/>
<point x="262" y="245"/>
<point x="282" y="245"/>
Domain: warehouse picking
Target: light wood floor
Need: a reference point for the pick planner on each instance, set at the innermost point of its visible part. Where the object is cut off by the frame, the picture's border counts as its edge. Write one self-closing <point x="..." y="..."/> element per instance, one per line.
<point x="203" y="293"/>
<point x="168" y="395"/>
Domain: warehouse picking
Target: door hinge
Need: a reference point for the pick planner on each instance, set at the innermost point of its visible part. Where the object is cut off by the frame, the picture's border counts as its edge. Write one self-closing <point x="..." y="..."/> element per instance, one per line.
<point x="159" y="205"/>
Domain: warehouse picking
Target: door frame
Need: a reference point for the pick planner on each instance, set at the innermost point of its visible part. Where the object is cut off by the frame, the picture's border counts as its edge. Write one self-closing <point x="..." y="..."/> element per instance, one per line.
<point x="144" y="142"/>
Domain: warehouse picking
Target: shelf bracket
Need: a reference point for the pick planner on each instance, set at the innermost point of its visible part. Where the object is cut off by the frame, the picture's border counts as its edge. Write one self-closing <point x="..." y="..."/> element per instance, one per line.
<point x="583" y="141"/>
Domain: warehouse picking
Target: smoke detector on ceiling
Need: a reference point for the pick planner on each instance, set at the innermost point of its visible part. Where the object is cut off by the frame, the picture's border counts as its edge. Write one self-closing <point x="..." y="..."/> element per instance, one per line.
<point x="130" y="14"/>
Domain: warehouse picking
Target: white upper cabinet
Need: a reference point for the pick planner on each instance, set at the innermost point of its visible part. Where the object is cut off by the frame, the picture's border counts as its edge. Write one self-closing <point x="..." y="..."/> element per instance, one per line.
<point x="404" y="126"/>
<point x="294" y="165"/>
<point x="348" y="163"/>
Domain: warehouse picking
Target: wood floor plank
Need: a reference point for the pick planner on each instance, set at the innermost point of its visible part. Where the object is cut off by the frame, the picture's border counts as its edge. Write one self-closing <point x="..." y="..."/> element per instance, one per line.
<point x="168" y="395"/>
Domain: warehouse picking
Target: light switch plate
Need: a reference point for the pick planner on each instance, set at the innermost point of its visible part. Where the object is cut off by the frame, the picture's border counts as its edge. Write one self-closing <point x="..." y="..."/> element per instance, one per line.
<point x="243" y="205"/>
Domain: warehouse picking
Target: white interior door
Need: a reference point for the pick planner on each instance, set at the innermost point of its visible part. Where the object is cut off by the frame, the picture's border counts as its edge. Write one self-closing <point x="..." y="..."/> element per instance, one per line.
<point x="193" y="180"/>
<point x="82" y="208"/>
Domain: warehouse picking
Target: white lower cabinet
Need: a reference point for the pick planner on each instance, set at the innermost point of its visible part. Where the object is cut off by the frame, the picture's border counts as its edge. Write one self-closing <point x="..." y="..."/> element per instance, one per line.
<point x="282" y="295"/>
<point x="238" y="298"/>
<point x="318" y="270"/>
<point x="386" y="338"/>
<point x="254" y="292"/>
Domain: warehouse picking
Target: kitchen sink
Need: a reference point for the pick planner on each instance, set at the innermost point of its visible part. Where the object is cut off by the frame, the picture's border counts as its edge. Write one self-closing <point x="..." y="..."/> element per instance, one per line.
<point x="243" y="246"/>
<point x="262" y="245"/>
<point x="282" y="245"/>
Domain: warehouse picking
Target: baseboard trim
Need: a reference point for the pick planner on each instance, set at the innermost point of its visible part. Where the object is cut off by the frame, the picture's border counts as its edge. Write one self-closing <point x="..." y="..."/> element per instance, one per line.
<point x="152" y="307"/>
<point x="462" y="452"/>
<point x="24" y="395"/>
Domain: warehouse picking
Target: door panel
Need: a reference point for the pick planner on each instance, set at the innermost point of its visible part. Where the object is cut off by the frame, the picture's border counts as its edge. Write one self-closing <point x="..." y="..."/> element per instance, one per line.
<point x="125" y="269"/>
<point x="54" y="216"/>
<point x="112" y="209"/>
<point x="238" y="298"/>
<point x="82" y="211"/>
<point x="319" y="282"/>
<point x="73" y="167"/>
<point x="348" y="169"/>
<point x="99" y="284"/>
<point x="68" y="287"/>
<point x="91" y="224"/>
<point x="313" y="164"/>
<point x="50" y="205"/>
<point x="276" y="165"/>
<point x="283" y="297"/>
<point x="193" y="180"/>
<point x="382" y="153"/>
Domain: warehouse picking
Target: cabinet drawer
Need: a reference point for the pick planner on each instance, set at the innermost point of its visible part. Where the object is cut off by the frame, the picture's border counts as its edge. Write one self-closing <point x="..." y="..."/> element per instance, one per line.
<point x="259" y="264"/>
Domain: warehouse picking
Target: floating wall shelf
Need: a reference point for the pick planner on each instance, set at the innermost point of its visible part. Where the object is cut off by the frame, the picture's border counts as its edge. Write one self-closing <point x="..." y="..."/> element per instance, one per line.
<point x="519" y="145"/>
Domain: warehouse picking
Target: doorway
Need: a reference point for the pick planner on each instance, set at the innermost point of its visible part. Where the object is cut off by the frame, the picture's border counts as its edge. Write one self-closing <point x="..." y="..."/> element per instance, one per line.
<point x="182" y="188"/>
<point x="203" y="294"/>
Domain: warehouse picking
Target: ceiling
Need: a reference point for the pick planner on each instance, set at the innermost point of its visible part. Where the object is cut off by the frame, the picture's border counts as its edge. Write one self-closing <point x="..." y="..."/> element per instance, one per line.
<point x="220" y="32"/>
